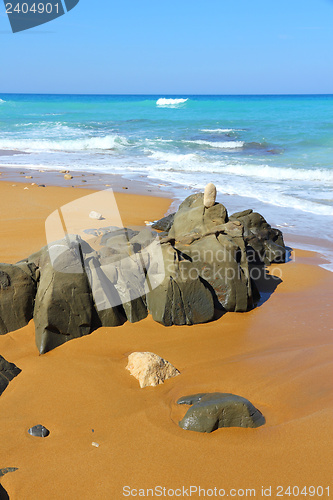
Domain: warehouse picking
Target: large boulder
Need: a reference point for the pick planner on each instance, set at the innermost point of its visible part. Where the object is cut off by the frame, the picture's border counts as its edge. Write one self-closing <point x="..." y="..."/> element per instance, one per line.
<point x="264" y="244"/>
<point x="63" y="305"/>
<point x="8" y="371"/>
<point x="183" y="297"/>
<point x="212" y="411"/>
<point x="150" y="369"/>
<point x="194" y="217"/>
<point x="17" y="296"/>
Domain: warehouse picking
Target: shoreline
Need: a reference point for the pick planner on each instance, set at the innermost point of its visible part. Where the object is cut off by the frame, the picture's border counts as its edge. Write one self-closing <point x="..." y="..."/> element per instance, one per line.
<point x="150" y="187"/>
<point x="276" y="355"/>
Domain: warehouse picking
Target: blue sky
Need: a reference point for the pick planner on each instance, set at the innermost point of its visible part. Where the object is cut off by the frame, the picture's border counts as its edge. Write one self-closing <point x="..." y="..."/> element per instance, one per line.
<point x="174" y="47"/>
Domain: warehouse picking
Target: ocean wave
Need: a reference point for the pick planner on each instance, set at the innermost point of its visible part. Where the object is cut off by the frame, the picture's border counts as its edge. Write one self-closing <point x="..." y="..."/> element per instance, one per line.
<point x="108" y="142"/>
<point x="164" y="102"/>
<point x="220" y="145"/>
<point x="2" y="101"/>
<point x="279" y="173"/>
<point x="221" y="130"/>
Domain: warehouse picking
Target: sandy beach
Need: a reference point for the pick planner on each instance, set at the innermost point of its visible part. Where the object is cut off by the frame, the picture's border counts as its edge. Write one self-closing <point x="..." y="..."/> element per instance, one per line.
<point x="279" y="356"/>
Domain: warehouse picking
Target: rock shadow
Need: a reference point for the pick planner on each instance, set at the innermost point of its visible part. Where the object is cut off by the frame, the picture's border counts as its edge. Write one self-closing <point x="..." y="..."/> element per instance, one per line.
<point x="265" y="282"/>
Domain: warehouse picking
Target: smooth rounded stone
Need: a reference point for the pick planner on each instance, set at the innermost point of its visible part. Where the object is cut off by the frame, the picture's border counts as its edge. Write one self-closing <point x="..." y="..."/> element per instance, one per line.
<point x="8" y="371"/>
<point x="39" y="431"/>
<point x="68" y="177"/>
<point x="212" y="411"/>
<point x="210" y="195"/>
<point x="95" y="215"/>
<point x="150" y="369"/>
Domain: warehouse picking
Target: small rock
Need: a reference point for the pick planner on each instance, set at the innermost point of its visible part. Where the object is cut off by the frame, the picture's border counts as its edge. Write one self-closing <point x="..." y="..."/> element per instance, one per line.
<point x="95" y="444"/>
<point x="150" y="369"/>
<point x="28" y="176"/>
<point x="124" y="187"/>
<point x="41" y="185"/>
<point x="68" y="177"/>
<point x="64" y="171"/>
<point x="96" y="215"/>
<point x="83" y="180"/>
<point x="33" y="184"/>
<point x="210" y="195"/>
<point x="39" y="431"/>
<point x="26" y="188"/>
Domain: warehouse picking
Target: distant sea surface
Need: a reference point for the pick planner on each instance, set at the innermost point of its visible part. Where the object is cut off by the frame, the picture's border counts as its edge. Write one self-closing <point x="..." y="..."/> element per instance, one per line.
<point x="270" y="153"/>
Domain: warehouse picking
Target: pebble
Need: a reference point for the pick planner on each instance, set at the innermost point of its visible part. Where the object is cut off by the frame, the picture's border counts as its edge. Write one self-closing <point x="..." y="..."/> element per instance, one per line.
<point x="64" y="171"/>
<point x="25" y="188"/>
<point x="68" y="177"/>
<point x="39" y="431"/>
<point x="95" y="215"/>
<point x="124" y="187"/>
<point x="95" y="444"/>
<point x="28" y="176"/>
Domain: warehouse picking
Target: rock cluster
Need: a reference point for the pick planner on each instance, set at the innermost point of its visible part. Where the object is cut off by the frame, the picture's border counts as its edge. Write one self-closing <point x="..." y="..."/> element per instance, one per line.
<point x="212" y="411"/>
<point x="201" y="261"/>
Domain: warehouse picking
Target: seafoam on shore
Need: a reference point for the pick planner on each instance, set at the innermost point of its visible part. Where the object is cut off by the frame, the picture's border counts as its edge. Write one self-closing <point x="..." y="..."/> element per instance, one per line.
<point x="270" y="153"/>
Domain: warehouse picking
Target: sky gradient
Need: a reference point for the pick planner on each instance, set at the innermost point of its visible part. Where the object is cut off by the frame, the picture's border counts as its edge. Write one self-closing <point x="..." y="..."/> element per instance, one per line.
<point x="150" y="47"/>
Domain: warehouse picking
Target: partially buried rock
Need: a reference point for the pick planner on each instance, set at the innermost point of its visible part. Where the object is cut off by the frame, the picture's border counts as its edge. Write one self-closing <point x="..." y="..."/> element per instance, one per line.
<point x="39" y="431"/>
<point x="8" y="371"/>
<point x="212" y="411"/>
<point x="210" y="195"/>
<point x="150" y="369"/>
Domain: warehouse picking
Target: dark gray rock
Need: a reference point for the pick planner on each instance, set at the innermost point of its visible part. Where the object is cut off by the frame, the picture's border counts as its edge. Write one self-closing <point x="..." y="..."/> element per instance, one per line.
<point x="39" y="431"/>
<point x="212" y="411"/>
<point x="8" y="371"/>
<point x="6" y="470"/>
<point x="164" y="224"/>
<point x="63" y="305"/>
<point x="17" y="295"/>
<point x="183" y="298"/>
<point x="264" y="244"/>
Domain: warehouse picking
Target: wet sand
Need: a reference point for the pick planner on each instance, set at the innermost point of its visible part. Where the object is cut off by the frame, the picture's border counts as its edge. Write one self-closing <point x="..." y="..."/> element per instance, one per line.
<point x="279" y="356"/>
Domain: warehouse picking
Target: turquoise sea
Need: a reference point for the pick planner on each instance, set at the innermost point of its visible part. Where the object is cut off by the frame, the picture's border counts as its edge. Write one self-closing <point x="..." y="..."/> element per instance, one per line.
<point x="270" y="153"/>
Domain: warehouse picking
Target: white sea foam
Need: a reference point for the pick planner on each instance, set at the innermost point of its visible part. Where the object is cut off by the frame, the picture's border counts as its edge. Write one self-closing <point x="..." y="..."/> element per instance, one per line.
<point x="2" y="101"/>
<point x="220" y="130"/>
<point x="220" y="145"/>
<point x="279" y="173"/>
<point x="164" y="102"/>
<point x="100" y="143"/>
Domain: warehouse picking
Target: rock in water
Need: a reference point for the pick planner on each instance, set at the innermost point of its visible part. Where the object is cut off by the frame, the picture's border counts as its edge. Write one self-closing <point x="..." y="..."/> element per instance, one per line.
<point x="212" y="411"/>
<point x="8" y="371"/>
<point x="150" y="369"/>
<point x="39" y="431"/>
<point x="210" y="195"/>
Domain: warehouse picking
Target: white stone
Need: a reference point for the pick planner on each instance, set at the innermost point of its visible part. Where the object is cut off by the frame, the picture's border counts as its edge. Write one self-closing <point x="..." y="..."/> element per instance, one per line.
<point x="95" y="215"/>
<point x="210" y="195"/>
<point x="150" y="369"/>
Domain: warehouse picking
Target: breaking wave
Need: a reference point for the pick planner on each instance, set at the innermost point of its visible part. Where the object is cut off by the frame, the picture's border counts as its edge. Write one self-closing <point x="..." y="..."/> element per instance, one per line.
<point x="220" y="145"/>
<point x="108" y="142"/>
<point x="164" y="102"/>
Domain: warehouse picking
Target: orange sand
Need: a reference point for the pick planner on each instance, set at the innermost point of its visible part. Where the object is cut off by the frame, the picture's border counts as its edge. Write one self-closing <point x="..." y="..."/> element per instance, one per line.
<point x="279" y="356"/>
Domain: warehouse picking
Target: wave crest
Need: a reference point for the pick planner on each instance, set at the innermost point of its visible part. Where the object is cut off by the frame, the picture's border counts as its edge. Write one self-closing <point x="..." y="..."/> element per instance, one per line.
<point x="108" y="142"/>
<point x="220" y="145"/>
<point x="170" y="103"/>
